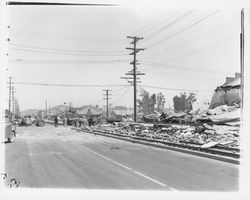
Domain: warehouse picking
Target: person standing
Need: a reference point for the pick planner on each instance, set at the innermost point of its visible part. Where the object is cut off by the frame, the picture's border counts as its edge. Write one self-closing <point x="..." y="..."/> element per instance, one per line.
<point x="80" y="122"/>
<point x="56" y="121"/>
<point x="64" y="121"/>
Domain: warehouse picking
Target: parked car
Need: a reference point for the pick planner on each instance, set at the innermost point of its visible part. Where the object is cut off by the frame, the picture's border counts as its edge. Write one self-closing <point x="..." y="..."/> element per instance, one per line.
<point x="10" y="132"/>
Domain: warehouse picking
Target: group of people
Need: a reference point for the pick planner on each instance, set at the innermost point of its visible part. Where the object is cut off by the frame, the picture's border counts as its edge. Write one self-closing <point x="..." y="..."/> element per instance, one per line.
<point x="76" y="122"/>
<point x="80" y="122"/>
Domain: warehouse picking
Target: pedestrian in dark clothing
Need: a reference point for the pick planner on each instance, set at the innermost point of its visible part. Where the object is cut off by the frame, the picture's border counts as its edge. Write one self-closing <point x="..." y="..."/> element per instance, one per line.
<point x="80" y="122"/>
<point x="56" y="121"/>
<point x="90" y="121"/>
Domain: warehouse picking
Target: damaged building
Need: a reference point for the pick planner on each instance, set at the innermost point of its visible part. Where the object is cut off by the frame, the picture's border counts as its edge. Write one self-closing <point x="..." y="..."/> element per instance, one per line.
<point x="229" y="93"/>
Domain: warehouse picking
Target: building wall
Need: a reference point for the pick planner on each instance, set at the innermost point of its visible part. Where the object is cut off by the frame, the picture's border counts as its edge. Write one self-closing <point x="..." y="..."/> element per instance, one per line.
<point x="226" y="97"/>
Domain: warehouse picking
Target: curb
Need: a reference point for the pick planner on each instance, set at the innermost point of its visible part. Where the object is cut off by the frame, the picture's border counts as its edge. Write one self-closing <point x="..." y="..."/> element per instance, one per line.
<point x="187" y="151"/>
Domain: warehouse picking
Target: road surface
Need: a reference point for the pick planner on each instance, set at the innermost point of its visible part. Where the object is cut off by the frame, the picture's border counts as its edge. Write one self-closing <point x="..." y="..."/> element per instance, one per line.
<point x="49" y="157"/>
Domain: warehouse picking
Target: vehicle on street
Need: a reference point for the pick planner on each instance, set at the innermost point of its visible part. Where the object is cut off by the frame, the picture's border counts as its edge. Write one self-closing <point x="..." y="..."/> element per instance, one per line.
<point x="10" y="132"/>
<point x="39" y="122"/>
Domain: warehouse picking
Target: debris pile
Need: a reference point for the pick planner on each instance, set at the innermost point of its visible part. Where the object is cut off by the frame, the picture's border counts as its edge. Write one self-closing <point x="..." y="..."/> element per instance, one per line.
<point x="224" y="114"/>
<point x="204" y="135"/>
<point x="218" y="127"/>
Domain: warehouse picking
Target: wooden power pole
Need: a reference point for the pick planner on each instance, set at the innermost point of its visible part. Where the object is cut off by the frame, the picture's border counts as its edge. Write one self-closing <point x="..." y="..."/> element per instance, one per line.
<point x="134" y="73"/>
<point x="107" y="94"/>
<point x="13" y="100"/>
<point x="10" y="87"/>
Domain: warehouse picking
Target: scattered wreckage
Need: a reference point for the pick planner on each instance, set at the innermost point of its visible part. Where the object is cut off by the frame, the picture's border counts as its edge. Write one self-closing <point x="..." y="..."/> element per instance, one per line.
<point x="218" y="127"/>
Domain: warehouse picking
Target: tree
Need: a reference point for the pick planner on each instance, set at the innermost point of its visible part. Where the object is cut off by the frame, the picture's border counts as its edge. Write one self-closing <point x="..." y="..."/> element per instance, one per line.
<point x="184" y="102"/>
<point x="147" y="103"/>
<point x="160" y="102"/>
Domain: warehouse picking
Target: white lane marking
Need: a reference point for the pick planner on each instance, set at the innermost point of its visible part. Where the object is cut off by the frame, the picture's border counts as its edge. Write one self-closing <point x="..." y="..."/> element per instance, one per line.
<point x="151" y="179"/>
<point x="117" y="163"/>
<point x="130" y="169"/>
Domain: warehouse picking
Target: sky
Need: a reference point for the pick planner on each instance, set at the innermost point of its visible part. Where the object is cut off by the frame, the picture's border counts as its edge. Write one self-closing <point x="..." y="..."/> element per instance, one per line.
<point x="185" y="49"/>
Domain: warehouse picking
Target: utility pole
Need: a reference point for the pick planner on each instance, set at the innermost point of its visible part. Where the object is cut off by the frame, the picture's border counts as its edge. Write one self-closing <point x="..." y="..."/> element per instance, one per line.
<point x="242" y="56"/>
<point x="70" y="103"/>
<point x="46" y="108"/>
<point x="13" y="100"/>
<point x="107" y="94"/>
<point x="134" y="73"/>
<point x="10" y="85"/>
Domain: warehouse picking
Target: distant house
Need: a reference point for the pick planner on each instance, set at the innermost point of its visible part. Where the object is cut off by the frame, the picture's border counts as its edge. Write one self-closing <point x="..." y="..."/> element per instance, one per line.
<point x="228" y="93"/>
<point x="88" y="111"/>
<point x="121" y="113"/>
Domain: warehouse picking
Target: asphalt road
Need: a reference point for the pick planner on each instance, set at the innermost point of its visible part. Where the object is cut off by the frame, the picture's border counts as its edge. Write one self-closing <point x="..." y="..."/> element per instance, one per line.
<point x="49" y="157"/>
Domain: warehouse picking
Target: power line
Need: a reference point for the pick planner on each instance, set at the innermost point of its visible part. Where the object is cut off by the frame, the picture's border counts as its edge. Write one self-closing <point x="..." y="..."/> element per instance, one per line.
<point x="120" y="89"/>
<point x="121" y="96"/>
<point x="67" y="61"/>
<point x="194" y="38"/>
<point x="173" y="89"/>
<point x="57" y="39"/>
<point x="54" y="35"/>
<point x="60" y="53"/>
<point x="184" y="29"/>
<point x="198" y="50"/>
<point x="168" y="66"/>
<point x="65" y="85"/>
<point x="151" y="24"/>
<point x="63" y="50"/>
<point x="168" y="25"/>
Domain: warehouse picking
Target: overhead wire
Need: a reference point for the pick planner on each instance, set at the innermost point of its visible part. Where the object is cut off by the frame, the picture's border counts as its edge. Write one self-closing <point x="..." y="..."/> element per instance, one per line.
<point x="64" y="50"/>
<point x="153" y="23"/>
<point x="119" y="98"/>
<point x="198" y="50"/>
<point x="173" y="89"/>
<point x="182" y="30"/>
<point x="17" y="31"/>
<point x="65" y="85"/>
<point x="68" y="61"/>
<point x="170" y="66"/>
<point x="120" y="89"/>
<point x="58" y="39"/>
<point x="170" y="24"/>
<point x="61" y="53"/>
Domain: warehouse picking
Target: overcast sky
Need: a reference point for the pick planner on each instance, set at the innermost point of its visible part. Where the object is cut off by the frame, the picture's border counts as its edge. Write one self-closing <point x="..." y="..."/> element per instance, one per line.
<point x="185" y="49"/>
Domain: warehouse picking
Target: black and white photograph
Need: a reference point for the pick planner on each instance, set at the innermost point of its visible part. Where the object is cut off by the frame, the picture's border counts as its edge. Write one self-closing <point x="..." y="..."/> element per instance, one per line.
<point x="124" y="96"/>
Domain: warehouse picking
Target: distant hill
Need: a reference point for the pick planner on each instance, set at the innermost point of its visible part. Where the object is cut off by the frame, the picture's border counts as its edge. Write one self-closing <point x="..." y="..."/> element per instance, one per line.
<point x="58" y="109"/>
<point x="31" y="112"/>
<point x="120" y="108"/>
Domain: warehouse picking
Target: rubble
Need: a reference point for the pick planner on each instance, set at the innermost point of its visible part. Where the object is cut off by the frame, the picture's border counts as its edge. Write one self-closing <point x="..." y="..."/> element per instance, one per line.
<point x="206" y="135"/>
<point x="208" y="129"/>
<point x="228" y="115"/>
<point x="208" y="145"/>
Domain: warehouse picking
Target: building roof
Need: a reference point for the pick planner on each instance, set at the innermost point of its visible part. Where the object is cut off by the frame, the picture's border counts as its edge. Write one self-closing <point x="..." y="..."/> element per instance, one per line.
<point x="231" y="82"/>
<point x="123" y="112"/>
<point x="234" y="83"/>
